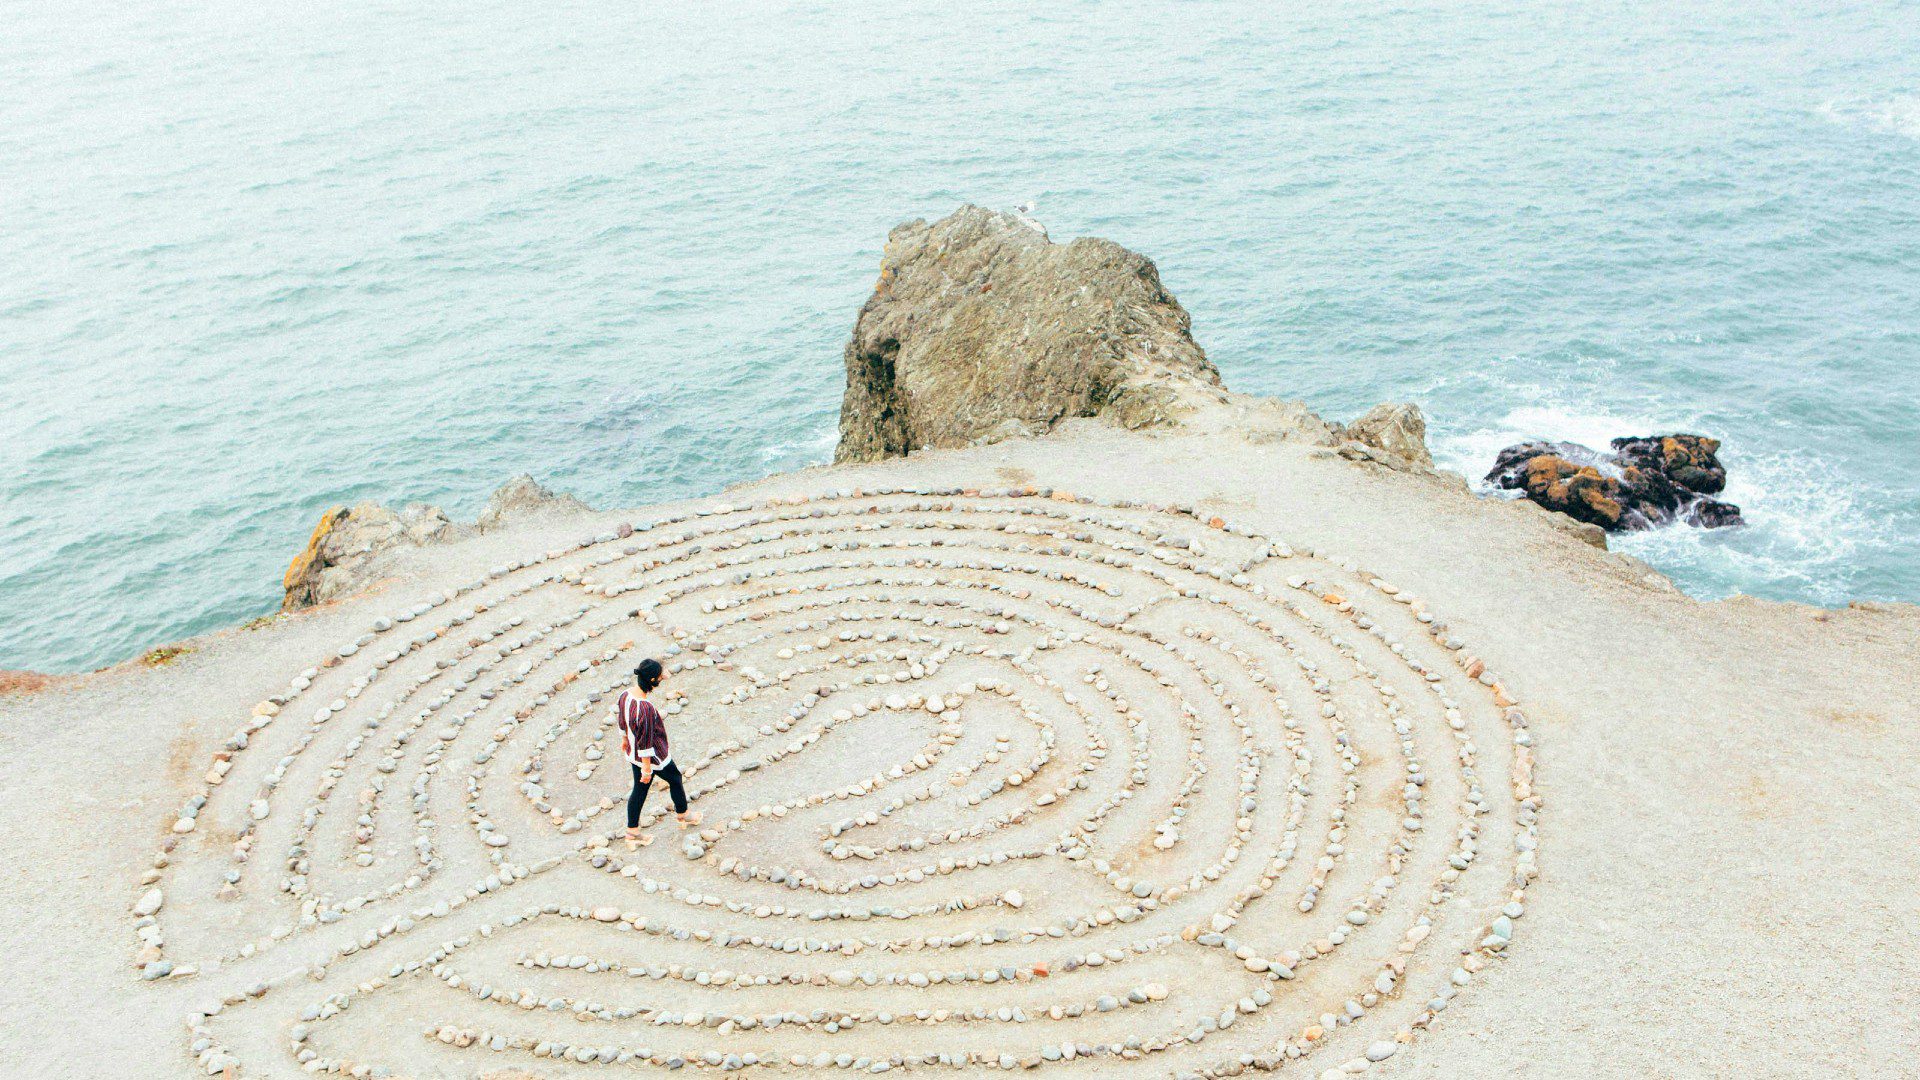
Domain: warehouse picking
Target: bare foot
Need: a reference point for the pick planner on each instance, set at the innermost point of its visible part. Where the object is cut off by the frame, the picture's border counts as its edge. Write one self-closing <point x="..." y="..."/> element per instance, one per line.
<point x="636" y="840"/>
<point x="689" y="819"/>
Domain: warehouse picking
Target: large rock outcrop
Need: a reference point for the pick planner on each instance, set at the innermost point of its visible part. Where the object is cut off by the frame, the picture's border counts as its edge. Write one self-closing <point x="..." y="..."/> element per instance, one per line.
<point x="981" y="328"/>
<point x="1645" y="482"/>
<point x="350" y="544"/>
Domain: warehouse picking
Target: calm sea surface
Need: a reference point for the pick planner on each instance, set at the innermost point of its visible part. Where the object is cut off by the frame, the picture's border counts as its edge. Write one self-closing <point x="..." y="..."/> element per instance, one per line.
<point x="264" y="258"/>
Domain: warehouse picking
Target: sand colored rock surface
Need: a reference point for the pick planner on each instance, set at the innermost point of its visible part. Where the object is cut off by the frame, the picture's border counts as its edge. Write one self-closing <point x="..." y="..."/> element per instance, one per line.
<point x="1399" y="429"/>
<point x="353" y="547"/>
<point x="1248" y="772"/>
<point x="981" y="328"/>
<point x="525" y="495"/>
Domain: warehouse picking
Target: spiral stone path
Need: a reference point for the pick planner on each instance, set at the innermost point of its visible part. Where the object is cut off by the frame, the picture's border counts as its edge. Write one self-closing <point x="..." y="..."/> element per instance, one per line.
<point x="992" y="780"/>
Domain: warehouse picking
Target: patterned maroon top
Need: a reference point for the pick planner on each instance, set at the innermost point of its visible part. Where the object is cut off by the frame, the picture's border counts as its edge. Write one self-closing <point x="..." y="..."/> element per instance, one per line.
<point x="643" y="732"/>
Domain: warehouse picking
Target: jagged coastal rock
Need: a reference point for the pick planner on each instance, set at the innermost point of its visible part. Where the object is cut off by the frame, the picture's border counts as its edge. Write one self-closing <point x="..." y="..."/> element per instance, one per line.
<point x="982" y="328"/>
<point x="1645" y="482"/>
<point x="348" y="540"/>
<point x="1398" y="429"/>
<point x="1690" y="460"/>
<point x="349" y="545"/>
<point x="525" y="495"/>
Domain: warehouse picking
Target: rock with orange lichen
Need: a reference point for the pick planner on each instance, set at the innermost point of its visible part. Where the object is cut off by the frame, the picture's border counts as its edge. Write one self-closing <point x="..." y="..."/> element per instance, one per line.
<point x="23" y="682"/>
<point x="1644" y="483"/>
<point x="1579" y="491"/>
<point x="1692" y="461"/>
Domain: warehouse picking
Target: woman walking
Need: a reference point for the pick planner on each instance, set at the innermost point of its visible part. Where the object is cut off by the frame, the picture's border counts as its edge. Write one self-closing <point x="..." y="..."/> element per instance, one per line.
<point x="643" y="741"/>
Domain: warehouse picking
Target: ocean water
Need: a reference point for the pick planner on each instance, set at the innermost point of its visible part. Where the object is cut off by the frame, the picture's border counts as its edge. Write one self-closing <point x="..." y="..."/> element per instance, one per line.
<point x="261" y="259"/>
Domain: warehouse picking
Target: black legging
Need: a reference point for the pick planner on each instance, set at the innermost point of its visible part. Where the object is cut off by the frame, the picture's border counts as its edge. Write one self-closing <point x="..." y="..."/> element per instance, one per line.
<point x="637" y="798"/>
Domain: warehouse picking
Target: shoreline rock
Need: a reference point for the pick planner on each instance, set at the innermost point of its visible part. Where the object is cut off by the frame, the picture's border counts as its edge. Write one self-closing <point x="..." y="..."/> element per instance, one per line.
<point x="1399" y="429"/>
<point x="1646" y="482"/>
<point x="347" y="539"/>
<point x="981" y="328"/>
<point x="525" y="495"/>
<point x="350" y="545"/>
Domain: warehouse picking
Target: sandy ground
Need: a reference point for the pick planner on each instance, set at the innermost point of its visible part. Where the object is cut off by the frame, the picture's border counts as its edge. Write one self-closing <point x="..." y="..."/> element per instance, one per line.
<point x="1729" y="878"/>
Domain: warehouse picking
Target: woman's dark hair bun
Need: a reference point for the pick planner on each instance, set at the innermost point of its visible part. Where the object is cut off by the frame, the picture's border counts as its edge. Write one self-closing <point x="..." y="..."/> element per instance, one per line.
<point x="647" y="674"/>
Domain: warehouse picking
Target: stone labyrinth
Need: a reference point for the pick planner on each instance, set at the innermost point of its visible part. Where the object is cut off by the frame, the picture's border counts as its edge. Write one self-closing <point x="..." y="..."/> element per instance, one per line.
<point x="992" y="780"/>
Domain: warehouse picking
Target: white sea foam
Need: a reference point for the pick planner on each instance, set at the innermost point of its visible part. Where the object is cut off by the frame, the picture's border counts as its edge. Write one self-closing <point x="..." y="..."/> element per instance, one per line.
<point x="1807" y="527"/>
<point x="1807" y="522"/>
<point x="1898" y="115"/>
<point x="815" y="448"/>
<point x="1471" y="453"/>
